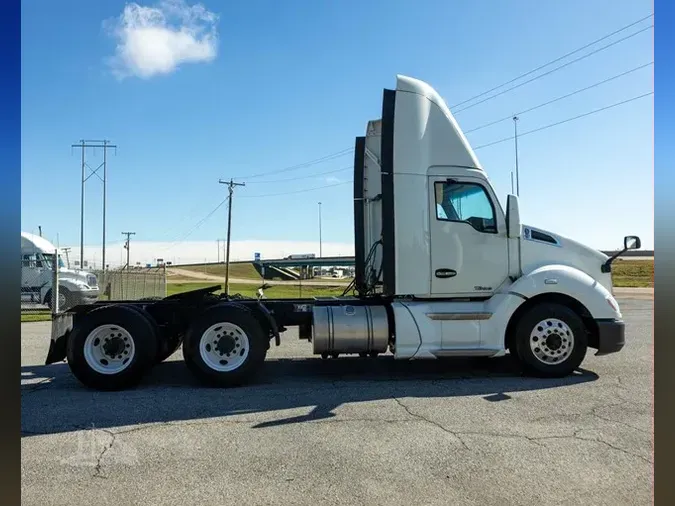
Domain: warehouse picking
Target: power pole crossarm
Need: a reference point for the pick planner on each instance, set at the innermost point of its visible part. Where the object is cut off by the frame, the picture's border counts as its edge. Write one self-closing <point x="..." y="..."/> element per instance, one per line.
<point x="230" y="188"/>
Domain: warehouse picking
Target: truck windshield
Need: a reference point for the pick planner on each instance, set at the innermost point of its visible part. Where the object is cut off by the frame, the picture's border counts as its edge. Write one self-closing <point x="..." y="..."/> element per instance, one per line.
<point x="47" y="262"/>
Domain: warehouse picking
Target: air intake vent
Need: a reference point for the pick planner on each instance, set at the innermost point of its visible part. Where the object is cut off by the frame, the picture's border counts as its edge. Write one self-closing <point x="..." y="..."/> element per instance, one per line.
<point x="540" y="236"/>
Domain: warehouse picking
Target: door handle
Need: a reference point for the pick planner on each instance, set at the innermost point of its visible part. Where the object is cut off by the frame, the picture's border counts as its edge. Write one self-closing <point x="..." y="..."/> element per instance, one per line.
<point x="445" y="273"/>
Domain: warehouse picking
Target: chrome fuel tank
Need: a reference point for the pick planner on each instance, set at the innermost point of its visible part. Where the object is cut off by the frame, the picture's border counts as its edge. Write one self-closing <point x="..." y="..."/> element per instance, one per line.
<point x="350" y="329"/>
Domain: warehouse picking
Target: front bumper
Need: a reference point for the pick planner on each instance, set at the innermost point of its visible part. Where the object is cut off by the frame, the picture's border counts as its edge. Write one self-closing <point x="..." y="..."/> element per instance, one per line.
<point x="611" y="336"/>
<point x="88" y="296"/>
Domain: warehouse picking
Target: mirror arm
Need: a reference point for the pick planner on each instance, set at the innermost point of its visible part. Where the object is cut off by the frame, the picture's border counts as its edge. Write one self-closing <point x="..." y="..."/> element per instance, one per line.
<point x="607" y="266"/>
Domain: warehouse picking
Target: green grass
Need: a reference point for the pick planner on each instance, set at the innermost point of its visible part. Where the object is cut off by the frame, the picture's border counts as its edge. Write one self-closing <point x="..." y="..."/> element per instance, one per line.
<point x="633" y="273"/>
<point x="36" y="316"/>
<point x="241" y="271"/>
<point x="275" y="292"/>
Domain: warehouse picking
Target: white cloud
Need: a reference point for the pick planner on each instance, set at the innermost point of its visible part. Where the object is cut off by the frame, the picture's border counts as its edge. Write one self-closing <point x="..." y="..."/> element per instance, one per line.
<point x="157" y="40"/>
<point x="333" y="180"/>
<point x="200" y="251"/>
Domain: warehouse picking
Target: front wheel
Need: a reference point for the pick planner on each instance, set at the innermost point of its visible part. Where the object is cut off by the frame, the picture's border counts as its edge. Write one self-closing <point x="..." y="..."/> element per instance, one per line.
<point x="225" y="346"/>
<point x="66" y="299"/>
<point x="550" y="341"/>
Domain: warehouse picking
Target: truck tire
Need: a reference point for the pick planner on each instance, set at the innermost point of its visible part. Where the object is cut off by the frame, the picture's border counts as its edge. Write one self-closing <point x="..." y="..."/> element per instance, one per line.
<point x="550" y="341"/>
<point x="112" y="348"/>
<point x="225" y="346"/>
<point x="66" y="299"/>
<point x="166" y="344"/>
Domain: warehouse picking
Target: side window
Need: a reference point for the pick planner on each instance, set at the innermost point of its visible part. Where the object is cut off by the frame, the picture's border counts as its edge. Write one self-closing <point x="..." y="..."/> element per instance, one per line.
<point x="30" y="261"/>
<point x="466" y="203"/>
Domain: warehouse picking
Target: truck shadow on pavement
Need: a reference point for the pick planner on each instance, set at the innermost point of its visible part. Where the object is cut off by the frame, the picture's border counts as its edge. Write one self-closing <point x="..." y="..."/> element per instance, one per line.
<point x="53" y="401"/>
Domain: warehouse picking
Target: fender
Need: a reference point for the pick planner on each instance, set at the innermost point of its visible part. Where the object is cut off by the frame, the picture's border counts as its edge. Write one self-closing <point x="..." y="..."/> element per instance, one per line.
<point x="69" y="284"/>
<point x="572" y="282"/>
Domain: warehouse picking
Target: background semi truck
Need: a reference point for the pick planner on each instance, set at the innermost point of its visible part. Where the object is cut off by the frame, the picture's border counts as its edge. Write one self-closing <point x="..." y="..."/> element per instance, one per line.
<point x="37" y="276"/>
<point x="441" y="270"/>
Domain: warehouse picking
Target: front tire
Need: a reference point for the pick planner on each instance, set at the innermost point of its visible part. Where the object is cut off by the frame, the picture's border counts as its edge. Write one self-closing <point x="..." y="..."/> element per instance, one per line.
<point x="225" y="346"/>
<point x="550" y="341"/>
<point x="66" y="299"/>
<point x="112" y="348"/>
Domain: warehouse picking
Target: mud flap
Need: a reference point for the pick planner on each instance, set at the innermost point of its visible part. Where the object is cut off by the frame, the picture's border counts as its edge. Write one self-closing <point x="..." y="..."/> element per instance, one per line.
<point x="62" y="325"/>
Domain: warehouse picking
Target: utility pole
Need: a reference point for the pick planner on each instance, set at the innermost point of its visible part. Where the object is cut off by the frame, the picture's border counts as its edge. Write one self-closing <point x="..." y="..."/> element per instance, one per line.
<point x="320" y="242"/>
<point x="126" y="245"/>
<point x="219" y="241"/>
<point x="230" y="187"/>
<point x="515" y="128"/>
<point x="66" y="251"/>
<point x="83" y="145"/>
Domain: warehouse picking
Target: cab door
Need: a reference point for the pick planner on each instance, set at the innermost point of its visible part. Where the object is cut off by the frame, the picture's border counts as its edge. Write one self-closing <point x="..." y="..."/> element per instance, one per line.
<point x="469" y="250"/>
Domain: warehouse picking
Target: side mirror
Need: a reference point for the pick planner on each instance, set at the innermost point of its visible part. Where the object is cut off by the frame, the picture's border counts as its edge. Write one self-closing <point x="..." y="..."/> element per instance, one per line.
<point x="513" y="226"/>
<point x="631" y="242"/>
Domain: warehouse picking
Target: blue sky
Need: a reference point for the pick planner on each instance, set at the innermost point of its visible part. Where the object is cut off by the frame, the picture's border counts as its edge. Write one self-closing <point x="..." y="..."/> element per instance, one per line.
<point x="287" y="82"/>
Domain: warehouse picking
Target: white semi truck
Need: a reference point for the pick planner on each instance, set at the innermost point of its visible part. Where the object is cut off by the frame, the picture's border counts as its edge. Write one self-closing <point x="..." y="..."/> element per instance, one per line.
<point x="441" y="270"/>
<point x="37" y="276"/>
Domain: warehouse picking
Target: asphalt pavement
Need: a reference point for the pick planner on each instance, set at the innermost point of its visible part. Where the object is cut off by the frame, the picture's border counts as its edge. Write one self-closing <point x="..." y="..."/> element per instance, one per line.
<point x="347" y="431"/>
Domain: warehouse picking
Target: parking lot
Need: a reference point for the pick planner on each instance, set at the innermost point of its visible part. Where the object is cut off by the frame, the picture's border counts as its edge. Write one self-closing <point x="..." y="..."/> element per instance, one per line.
<point x="346" y="431"/>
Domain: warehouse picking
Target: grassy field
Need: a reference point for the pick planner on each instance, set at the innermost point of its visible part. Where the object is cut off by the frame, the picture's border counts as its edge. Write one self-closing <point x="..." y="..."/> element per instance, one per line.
<point x="633" y="273"/>
<point x="241" y="271"/>
<point x="276" y="291"/>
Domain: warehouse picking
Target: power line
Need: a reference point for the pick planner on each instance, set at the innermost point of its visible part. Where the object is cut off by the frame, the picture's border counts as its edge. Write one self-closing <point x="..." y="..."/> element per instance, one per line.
<point x="559" y="98"/>
<point x="297" y="191"/>
<point x="332" y="156"/>
<point x="345" y="151"/>
<point x="554" y="61"/>
<point x="553" y="70"/>
<point x="564" y="121"/>
<point x="505" y="139"/>
<point x="301" y="177"/>
<point x="197" y="225"/>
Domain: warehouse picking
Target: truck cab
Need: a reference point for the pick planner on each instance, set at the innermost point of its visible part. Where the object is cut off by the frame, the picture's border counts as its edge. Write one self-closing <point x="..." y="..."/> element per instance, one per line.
<point x="37" y="275"/>
<point x="461" y="271"/>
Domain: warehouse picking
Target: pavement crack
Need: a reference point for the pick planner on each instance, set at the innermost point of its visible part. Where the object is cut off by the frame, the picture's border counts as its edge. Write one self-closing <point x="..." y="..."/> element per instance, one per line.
<point x="432" y="422"/>
<point x="610" y="420"/>
<point x="614" y="447"/>
<point x="97" y="469"/>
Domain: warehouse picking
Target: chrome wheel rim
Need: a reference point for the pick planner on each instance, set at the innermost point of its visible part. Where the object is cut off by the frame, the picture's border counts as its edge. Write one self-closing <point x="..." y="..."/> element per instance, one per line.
<point x="224" y="347"/>
<point x="109" y="349"/>
<point x="552" y="341"/>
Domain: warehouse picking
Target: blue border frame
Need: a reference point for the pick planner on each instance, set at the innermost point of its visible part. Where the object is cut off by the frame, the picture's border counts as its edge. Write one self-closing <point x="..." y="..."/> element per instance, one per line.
<point x="10" y="248"/>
